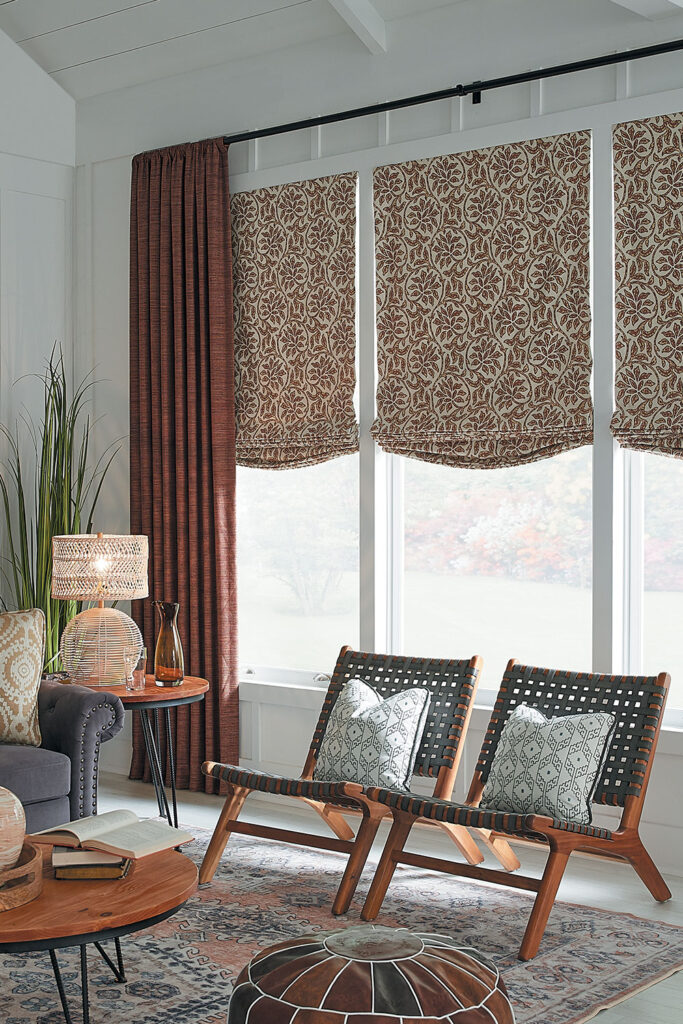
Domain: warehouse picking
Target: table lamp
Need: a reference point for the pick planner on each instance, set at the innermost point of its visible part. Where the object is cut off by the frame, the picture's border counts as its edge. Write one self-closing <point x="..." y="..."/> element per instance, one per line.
<point x="98" y="645"/>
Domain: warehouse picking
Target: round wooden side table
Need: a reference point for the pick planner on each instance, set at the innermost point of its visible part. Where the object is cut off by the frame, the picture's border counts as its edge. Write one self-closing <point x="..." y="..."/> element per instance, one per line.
<point x="83" y="913"/>
<point x="148" y="703"/>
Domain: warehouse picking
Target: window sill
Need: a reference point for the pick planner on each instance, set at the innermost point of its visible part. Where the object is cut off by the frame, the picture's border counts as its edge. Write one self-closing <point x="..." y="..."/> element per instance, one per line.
<point x="297" y="693"/>
<point x="293" y="694"/>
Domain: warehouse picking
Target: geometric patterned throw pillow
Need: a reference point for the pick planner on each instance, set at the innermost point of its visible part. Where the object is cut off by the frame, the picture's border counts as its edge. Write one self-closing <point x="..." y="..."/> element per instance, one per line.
<point x="370" y="740"/>
<point x="548" y="765"/>
<point x="22" y="648"/>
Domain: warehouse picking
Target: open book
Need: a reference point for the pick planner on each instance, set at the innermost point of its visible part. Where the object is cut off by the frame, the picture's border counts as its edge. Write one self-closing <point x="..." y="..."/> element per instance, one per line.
<point x="120" y="832"/>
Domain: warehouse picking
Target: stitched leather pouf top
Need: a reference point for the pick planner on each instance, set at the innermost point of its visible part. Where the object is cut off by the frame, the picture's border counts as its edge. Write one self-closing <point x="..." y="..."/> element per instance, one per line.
<point x="370" y="975"/>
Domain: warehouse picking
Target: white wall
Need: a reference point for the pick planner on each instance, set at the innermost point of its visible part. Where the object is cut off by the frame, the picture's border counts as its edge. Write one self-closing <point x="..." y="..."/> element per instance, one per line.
<point x="37" y="118"/>
<point x="37" y="152"/>
<point x="277" y="720"/>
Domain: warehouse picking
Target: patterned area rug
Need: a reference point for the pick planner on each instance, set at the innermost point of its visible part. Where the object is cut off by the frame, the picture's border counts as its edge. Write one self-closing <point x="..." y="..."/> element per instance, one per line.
<point x="181" y="972"/>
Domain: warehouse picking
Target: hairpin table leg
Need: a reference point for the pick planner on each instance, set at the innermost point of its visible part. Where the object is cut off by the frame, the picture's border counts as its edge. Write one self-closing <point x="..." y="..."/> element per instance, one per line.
<point x="119" y="960"/>
<point x="84" y="985"/>
<point x="155" y="765"/>
<point x="60" y="987"/>
<point x="118" y="972"/>
<point x="171" y="758"/>
<point x="144" y="725"/>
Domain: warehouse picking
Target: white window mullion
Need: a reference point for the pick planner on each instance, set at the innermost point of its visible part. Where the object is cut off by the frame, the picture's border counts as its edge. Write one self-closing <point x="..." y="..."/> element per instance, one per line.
<point x="381" y="475"/>
<point x="634" y="520"/>
<point x="374" y="468"/>
<point x="608" y="462"/>
<point x="395" y="555"/>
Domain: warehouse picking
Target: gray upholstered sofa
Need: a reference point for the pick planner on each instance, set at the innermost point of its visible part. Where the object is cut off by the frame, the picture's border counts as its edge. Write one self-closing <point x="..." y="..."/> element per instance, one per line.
<point x="57" y="781"/>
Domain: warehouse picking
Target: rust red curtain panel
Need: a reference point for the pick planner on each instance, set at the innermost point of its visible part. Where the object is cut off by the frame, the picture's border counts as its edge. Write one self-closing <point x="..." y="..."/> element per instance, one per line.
<point x="182" y="430"/>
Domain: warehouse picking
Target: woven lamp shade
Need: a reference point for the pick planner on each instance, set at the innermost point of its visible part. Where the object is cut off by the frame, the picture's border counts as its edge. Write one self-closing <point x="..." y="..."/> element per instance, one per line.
<point x="100" y="646"/>
<point x="99" y="567"/>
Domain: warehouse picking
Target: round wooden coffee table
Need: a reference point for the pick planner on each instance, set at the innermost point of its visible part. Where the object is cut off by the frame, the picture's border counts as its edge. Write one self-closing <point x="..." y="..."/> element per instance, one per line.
<point x="147" y="703"/>
<point x="74" y="913"/>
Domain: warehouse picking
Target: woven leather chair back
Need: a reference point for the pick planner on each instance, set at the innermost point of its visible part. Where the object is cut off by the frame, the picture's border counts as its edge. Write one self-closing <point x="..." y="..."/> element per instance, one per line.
<point x="450" y="683"/>
<point x="637" y="702"/>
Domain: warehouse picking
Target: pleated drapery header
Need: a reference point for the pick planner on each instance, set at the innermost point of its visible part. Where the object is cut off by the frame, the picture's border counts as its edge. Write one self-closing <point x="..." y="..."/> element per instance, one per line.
<point x="483" y="304"/>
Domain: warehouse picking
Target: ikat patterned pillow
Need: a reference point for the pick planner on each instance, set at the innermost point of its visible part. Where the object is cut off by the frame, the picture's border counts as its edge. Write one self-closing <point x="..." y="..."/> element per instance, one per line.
<point x="370" y="740"/>
<point x="22" y="647"/>
<point x="548" y="765"/>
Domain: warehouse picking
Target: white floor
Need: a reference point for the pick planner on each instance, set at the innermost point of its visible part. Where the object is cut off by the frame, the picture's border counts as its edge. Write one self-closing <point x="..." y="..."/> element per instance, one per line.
<point x="585" y="881"/>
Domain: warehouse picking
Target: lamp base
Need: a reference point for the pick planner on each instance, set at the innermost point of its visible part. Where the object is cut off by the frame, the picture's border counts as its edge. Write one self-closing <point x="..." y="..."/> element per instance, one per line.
<point x="94" y="645"/>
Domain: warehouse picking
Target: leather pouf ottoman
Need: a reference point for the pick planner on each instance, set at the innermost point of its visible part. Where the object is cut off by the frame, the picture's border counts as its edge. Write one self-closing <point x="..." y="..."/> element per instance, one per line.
<point x="370" y="975"/>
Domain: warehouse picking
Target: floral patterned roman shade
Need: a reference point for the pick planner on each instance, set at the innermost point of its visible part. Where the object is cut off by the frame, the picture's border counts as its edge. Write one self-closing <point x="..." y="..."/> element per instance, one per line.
<point x="483" y="311"/>
<point x="294" y="258"/>
<point x="648" y="230"/>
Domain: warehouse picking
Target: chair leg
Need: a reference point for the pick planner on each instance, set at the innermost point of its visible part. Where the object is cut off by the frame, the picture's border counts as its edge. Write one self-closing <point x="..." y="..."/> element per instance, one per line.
<point x="463" y="840"/>
<point x="543" y="904"/>
<point x="398" y="835"/>
<point x="356" y="862"/>
<point x="231" y="811"/>
<point x="334" y="819"/>
<point x="500" y="848"/>
<point x="649" y="873"/>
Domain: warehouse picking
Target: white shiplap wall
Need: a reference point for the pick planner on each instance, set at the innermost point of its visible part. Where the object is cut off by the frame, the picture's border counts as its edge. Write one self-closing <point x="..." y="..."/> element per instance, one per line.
<point x="37" y="154"/>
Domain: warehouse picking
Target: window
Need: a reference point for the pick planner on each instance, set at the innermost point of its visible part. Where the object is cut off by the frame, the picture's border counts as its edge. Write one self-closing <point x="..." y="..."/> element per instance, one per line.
<point x="663" y="571"/>
<point x="297" y="560"/>
<point x="453" y="562"/>
<point x="498" y="563"/>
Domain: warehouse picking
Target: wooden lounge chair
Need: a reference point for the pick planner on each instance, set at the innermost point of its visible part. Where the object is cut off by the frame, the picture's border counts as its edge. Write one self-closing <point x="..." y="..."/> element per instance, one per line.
<point x="452" y="685"/>
<point x="637" y="702"/>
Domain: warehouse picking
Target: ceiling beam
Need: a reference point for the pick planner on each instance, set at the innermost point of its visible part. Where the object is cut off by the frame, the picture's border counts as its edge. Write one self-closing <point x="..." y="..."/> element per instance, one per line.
<point x="365" y="21"/>
<point x="651" y="9"/>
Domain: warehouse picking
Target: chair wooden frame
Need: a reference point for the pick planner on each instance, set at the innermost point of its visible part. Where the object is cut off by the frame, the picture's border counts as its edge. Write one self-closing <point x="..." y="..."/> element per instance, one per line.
<point x="452" y="685"/>
<point x="638" y="705"/>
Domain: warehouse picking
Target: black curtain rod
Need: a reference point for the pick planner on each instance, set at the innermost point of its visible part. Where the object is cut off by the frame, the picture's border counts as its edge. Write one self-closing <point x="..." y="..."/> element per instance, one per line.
<point x="474" y="89"/>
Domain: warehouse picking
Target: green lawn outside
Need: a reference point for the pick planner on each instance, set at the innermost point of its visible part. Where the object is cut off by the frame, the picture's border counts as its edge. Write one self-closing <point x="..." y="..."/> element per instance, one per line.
<point x="454" y="616"/>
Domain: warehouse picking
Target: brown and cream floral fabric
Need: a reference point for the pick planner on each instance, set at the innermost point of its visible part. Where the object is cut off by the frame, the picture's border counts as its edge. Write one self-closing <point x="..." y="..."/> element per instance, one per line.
<point x="22" y="648"/>
<point x="294" y="270"/>
<point x="483" y="312"/>
<point x="648" y="233"/>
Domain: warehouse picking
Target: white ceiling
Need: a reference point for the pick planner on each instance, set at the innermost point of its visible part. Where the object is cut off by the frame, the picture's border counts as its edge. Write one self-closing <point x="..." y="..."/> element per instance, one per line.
<point x="96" y="46"/>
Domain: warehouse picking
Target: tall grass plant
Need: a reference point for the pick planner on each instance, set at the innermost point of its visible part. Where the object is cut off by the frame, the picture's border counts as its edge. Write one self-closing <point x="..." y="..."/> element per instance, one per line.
<point x="52" y="490"/>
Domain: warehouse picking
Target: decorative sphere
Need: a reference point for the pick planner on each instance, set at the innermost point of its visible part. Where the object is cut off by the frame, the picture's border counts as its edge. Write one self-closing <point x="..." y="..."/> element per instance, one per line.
<point x="370" y="973"/>
<point x="12" y="828"/>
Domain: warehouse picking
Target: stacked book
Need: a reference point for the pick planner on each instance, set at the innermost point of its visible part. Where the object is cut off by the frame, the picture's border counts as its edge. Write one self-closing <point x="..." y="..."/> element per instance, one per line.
<point x="79" y="864"/>
<point x="105" y="845"/>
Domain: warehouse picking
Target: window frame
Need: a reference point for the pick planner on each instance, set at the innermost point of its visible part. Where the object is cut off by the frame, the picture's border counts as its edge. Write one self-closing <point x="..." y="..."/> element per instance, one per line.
<point x="617" y="494"/>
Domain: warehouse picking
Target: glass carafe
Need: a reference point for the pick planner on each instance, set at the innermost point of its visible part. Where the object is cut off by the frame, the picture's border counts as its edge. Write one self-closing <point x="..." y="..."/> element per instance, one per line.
<point x="169" y="665"/>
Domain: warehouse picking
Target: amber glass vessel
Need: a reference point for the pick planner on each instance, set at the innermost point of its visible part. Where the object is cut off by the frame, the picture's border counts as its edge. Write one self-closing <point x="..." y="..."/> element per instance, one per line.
<point x="169" y="664"/>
